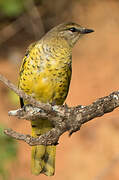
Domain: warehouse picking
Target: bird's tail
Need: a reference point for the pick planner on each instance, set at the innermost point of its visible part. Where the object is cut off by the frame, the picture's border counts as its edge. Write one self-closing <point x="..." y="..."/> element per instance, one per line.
<point x="43" y="157"/>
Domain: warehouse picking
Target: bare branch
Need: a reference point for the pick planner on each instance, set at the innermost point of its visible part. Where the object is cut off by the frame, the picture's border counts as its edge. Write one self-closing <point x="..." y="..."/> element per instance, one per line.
<point x="34" y="18"/>
<point x="45" y="139"/>
<point x="29" y="20"/>
<point x="63" y="118"/>
<point x="12" y="29"/>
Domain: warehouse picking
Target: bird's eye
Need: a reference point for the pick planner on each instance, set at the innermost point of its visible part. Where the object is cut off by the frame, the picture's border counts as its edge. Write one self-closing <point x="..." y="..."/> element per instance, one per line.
<point x="73" y="29"/>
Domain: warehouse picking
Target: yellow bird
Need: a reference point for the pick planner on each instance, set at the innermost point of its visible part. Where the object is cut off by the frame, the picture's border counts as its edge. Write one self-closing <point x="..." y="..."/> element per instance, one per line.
<point x="45" y="74"/>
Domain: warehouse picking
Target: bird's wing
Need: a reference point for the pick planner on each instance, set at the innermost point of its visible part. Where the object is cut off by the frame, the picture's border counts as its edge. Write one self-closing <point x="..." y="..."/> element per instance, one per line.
<point x="22" y="66"/>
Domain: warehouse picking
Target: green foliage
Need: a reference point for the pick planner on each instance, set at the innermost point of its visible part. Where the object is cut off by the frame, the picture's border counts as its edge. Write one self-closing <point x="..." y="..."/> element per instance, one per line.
<point x="11" y="8"/>
<point x="8" y="152"/>
<point x="8" y="147"/>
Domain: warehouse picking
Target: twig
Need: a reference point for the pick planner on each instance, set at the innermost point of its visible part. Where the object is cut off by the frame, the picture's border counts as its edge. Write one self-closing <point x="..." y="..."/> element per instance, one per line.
<point x="34" y="19"/>
<point x="32" y="22"/>
<point x="11" y="29"/>
<point x="45" y="139"/>
<point x="63" y="118"/>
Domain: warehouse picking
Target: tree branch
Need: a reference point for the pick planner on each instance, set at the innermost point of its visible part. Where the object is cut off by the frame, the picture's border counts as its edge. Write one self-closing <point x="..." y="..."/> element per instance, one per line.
<point x="63" y="118"/>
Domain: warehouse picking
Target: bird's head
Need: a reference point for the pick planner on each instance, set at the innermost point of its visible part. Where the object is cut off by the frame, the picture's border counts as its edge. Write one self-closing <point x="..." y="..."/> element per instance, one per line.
<point x="70" y="32"/>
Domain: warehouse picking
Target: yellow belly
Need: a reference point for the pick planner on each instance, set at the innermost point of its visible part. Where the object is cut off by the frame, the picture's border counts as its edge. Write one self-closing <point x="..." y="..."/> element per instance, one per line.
<point x="49" y="84"/>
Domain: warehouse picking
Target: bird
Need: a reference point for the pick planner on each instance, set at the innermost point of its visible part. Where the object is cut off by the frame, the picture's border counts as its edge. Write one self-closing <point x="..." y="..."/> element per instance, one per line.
<point x="45" y="74"/>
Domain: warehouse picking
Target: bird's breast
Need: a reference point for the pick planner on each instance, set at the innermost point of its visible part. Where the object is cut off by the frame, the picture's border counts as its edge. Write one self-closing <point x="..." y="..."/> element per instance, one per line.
<point x="46" y="76"/>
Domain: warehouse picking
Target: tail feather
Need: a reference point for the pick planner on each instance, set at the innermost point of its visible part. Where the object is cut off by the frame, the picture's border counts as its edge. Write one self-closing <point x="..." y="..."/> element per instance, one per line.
<point x="37" y="161"/>
<point x="43" y="157"/>
<point x="49" y="168"/>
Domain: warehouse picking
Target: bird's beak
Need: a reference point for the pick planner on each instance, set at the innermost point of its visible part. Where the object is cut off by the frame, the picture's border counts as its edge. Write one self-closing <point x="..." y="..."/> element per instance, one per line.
<point x="85" y="31"/>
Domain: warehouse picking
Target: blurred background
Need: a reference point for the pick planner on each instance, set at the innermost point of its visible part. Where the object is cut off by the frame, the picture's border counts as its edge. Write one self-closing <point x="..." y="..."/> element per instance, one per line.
<point x="92" y="153"/>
